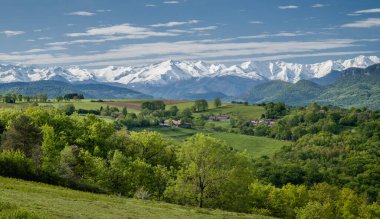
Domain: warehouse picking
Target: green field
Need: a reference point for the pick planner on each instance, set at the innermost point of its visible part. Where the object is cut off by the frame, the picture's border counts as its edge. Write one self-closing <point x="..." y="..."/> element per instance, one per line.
<point x="255" y="146"/>
<point x="245" y="112"/>
<point x="57" y="202"/>
<point x="84" y="104"/>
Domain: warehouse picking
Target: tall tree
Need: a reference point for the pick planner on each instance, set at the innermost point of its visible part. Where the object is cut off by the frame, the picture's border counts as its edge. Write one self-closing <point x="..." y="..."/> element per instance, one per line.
<point x="217" y="102"/>
<point x="211" y="171"/>
<point x="23" y="135"/>
<point x="200" y="105"/>
<point x="124" y="111"/>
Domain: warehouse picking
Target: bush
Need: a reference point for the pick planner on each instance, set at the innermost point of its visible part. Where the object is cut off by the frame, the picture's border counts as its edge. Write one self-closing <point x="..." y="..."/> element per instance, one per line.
<point x="15" y="164"/>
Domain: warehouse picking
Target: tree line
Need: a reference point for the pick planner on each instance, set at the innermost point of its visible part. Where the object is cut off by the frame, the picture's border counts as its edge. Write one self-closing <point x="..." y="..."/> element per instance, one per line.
<point x="15" y="97"/>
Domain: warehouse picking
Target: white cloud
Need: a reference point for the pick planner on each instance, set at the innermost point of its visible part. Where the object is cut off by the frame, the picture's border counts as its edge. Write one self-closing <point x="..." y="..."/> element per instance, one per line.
<point x="150" y="5"/>
<point x="54" y="48"/>
<point x="288" y="7"/>
<point x="103" y="10"/>
<point x="82" y="41"/>
<point x="44" y="38"/>
<point x="292" y="56"/>
<point x="10" y="33"/>
<point x="171" y="2"/>
<point x="175" y="23"/>
<point x="81" y="13"/>
<point x="207" y="50"/>
<point x="204" y="28"/>
<point x="129" y="31"/>
<point x="180" y="31"/>
<point x="256" y="22"/>
<point x="281" y="34"/>
<point x="372" y="10"/>
<point x="318" y="6"/>
<point x="369" y="22"/>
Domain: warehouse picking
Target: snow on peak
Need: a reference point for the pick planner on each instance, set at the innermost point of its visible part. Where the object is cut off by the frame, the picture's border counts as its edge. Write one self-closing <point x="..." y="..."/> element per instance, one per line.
<point x="171" y="71"/>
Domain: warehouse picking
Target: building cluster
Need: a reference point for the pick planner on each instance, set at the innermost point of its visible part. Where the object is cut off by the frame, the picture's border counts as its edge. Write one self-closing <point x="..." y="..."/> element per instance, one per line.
<point x="268" y="122"/>
<point x="175" y="123"/>
<point x="220" y="118"/>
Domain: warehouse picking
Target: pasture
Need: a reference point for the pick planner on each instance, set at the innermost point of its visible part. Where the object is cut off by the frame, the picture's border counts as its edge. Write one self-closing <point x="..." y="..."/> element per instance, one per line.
<point x="255" y="146"/>
<point x="40" y="200"/>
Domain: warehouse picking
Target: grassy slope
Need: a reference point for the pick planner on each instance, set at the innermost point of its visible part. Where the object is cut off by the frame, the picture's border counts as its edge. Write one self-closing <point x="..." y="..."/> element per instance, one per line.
<point x="245" y="112"/>
<point x="58" y="202"/>
<point x="255" y="146"/>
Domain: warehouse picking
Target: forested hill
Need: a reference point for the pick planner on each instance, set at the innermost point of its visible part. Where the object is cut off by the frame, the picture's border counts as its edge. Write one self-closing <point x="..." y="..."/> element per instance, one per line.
<point x="331" y="169"/>
<point x="353" y="87"/>
<point x="59" y="88"/>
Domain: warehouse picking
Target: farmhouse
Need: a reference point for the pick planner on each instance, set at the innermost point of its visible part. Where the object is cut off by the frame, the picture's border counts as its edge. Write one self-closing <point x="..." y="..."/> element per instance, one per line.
<point x="268" y="122"/>
<point x="222" y="118"/>
<point x="171" y="122"/>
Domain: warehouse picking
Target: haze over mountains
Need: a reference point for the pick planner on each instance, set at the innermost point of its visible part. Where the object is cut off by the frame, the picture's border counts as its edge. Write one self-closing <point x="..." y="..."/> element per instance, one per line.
<point x="280" y="80"/>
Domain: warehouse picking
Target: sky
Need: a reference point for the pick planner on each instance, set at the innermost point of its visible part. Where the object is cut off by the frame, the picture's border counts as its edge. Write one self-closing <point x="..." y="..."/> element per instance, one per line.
<point x="98" y="33"/>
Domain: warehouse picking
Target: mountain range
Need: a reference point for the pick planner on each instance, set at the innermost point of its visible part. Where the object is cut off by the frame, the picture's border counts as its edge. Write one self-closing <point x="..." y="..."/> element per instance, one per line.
<point x="353" y="87"/>
<point x="171" y="71"/>
<point x="185" y="79"/>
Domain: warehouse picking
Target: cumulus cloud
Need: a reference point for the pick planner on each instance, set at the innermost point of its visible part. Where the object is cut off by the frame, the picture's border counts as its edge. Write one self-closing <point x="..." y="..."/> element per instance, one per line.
<point x="81" y="13"/>
<point x="175" y="23"/>
<point x="10" y="33"/>
<point x="283" y="7"/>
<point x="368" y="23"/>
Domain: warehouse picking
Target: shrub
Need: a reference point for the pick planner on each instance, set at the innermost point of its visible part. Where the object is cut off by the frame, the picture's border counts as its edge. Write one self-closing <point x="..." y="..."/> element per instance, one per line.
<point x="15" y="164"/>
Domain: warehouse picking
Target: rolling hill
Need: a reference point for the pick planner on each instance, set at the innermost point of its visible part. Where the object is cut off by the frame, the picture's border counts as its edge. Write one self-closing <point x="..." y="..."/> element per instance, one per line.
<point x="59" y="88"/>
<point x="354" y="87"/>
<point x="45" y="201"/>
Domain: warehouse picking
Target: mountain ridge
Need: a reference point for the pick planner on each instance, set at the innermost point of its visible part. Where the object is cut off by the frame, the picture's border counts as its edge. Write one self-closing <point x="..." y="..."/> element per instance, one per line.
<point x="170" y="71"/>
<point x="353" y="87"/>
<point x="59" y="88"/>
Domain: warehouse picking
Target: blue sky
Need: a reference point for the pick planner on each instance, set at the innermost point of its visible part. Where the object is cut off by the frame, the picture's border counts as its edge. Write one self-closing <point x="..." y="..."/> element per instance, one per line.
<point x="96" y="33"/>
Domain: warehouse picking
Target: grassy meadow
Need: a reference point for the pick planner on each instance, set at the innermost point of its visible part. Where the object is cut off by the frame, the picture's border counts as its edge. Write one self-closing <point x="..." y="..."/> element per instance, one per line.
<point x="47" y="201"/>
<point x="255" y="146"/>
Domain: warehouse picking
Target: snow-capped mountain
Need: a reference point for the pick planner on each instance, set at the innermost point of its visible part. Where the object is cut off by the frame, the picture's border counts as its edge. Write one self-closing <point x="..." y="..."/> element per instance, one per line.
<point x="167" y="72"/>
<point x="23" y="73"/>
